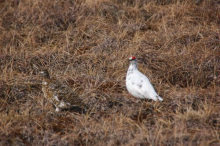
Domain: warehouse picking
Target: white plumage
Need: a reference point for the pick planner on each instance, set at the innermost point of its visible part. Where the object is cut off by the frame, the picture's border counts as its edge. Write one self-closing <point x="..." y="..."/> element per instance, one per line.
<point x="138" y="84"/>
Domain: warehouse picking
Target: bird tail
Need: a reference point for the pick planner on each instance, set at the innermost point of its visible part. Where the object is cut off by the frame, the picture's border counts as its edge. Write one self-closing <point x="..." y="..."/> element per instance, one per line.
<point x="159" y="98"/>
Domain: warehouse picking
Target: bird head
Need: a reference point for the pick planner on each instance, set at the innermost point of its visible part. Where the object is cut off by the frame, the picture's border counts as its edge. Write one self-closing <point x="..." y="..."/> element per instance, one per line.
<point x="133" y="61"/>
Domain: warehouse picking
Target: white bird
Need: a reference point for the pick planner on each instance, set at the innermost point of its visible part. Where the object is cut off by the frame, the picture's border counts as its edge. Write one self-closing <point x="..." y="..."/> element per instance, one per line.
<point x="138" y="84"/>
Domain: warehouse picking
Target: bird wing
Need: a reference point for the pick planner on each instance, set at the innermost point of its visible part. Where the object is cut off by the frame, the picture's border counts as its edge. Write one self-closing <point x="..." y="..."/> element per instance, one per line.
<point x="74" y="99"/>
<point x="141" y="84"/>
<point x="65" y="94"/>
<point x="58" y="89"/>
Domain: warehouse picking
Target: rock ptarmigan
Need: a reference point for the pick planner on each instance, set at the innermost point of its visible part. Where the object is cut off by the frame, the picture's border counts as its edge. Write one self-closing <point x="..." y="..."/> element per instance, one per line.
<point x="138" y="84"/>
<point x="59" y="94"/>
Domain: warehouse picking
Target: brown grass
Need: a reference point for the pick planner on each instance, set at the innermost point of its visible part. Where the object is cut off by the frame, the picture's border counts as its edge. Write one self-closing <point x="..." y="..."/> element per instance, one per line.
<point x="86" y="44"/>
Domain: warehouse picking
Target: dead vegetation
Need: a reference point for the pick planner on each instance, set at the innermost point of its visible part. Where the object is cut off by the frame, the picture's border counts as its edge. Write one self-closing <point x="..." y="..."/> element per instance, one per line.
<point x="86" y="44"/>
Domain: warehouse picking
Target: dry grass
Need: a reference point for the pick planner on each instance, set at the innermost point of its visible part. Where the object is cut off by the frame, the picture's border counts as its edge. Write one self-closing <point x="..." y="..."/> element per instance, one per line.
<point x="87" y="44"/>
